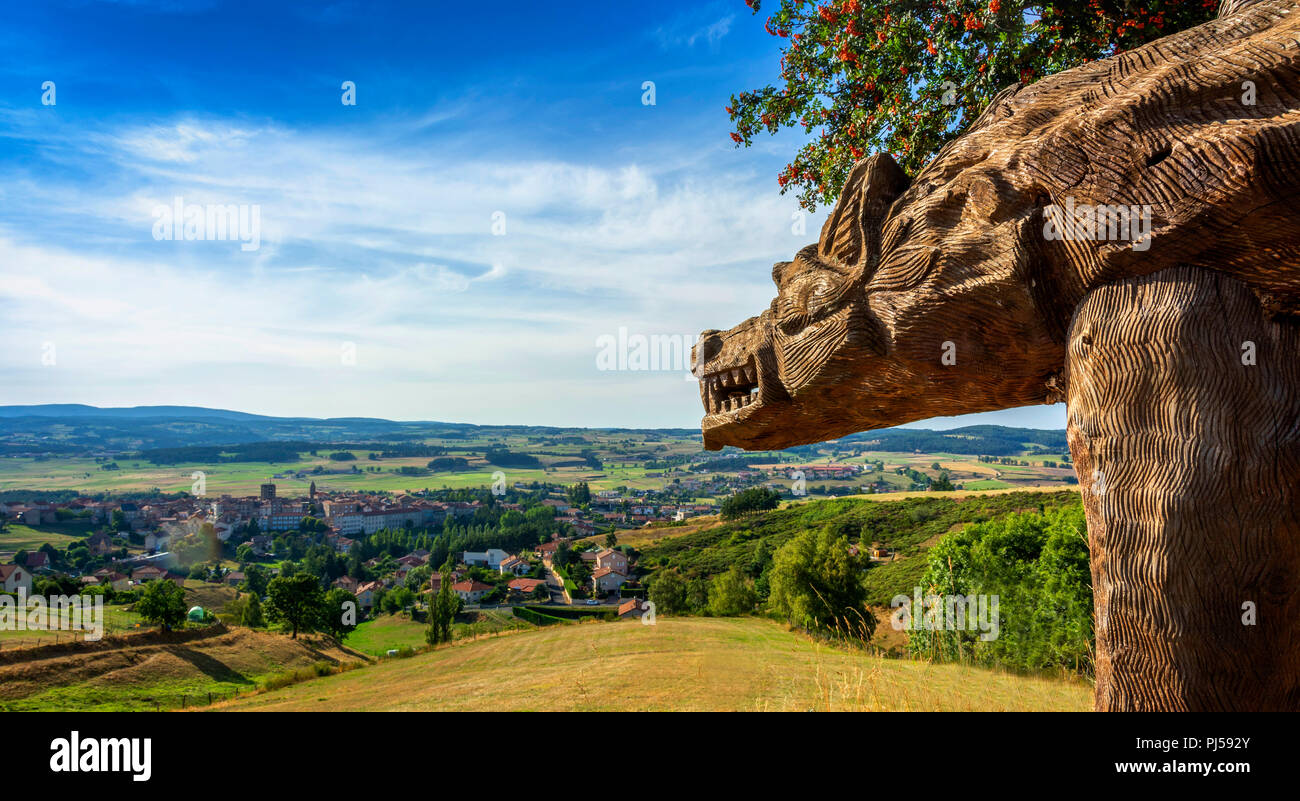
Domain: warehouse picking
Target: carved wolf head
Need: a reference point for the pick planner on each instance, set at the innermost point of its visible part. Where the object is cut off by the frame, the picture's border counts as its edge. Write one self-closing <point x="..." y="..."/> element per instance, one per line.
<point x="950" y="294"/>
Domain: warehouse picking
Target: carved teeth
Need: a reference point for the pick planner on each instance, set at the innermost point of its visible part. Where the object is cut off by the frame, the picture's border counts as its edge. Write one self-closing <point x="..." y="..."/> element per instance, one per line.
<point x="730" y="389"/>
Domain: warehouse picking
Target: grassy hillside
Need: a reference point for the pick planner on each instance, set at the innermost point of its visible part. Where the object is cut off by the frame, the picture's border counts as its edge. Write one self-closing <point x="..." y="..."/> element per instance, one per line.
<point x="376" y="637"/>
<point x="678" y="664"/>
<point x="909" y="526"/>
<point x="138" y="677"/>
<point x="18" y="536"/>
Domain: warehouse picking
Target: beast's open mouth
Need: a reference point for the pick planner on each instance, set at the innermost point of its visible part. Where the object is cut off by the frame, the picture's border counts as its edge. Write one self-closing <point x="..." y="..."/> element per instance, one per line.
<point x="731" y="389"/>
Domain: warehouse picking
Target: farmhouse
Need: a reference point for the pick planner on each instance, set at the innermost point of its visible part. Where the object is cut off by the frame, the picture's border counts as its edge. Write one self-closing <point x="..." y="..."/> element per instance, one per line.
<point x="526" y="585"/>
<point x="366" y="594"/>
<point x="631" y="609"/>
<point x="615" y="560"/>
<point x="471" y="591"/>
<point x="120" y="582"/>
<point x="147" y="573"/>
<point x="346" y="583"/>
<point x="515" y="566"/>
<point x="607" y="580"/>
<point x="15" y="577"/>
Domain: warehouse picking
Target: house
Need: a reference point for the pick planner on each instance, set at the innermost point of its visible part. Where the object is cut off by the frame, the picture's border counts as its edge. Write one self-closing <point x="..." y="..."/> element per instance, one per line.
<point x="37" y="560"/>
<point x="156" y="540"/>
<point x="515" y="566"/>
<point x="99" y="544"/>
<point x="234" y="578"/>
<point x="14" y="578"/>
<point x="471" y="591"/>
<point x="607" y="580"/>
<point x="130" y="513"/>
<point x="546" y="550"/>
<point x="411" y="560"/>
<point x="120" y="582"/>
<point x="366" y="594"/>
<point x="526" y="585"/>
<point x="224" y="529"/>
<point x="492" y="557"/>
<point x="615" y="560"/>
<point x="631" y="609"/>
<point x="261" y="544"/>
<point x="147" y="573"/>
<point x="346" y="583"/>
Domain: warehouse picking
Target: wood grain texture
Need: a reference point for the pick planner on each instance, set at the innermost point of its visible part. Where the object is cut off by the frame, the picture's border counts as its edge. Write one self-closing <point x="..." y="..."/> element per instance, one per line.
<point x="1189" y="462"/>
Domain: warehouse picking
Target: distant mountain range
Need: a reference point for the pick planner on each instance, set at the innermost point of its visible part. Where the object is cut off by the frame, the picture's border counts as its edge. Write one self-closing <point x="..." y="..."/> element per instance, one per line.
<point x="81" y="410"/>
<point x="77" y="428"/>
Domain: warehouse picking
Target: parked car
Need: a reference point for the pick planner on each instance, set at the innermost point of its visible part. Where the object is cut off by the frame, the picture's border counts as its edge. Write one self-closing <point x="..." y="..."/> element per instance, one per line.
<point x="592" y="602"/>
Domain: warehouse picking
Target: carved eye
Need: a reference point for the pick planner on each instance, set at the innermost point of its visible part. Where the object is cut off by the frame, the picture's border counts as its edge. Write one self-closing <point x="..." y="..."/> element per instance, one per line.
<point x="808" y="298"/>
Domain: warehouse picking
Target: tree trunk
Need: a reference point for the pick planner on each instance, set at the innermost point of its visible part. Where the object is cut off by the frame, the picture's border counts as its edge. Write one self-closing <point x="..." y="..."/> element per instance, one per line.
<point x="1188" y="456"/>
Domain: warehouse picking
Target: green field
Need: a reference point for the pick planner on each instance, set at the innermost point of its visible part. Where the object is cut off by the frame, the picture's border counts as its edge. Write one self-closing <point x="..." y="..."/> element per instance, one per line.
<point x="394" y="632"/>
<point x="18" y="536"/>
<point x="294" y="478"/>
<point x="117" y="620"/>
<point x="678" y="664"/>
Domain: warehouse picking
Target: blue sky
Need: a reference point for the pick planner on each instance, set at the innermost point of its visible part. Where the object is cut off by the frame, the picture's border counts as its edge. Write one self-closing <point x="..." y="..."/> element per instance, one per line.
<point x="380" y="286"/>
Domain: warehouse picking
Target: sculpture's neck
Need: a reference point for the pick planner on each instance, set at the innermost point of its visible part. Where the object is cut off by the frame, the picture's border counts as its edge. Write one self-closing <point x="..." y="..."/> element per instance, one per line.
<point x="1183" y="407"/>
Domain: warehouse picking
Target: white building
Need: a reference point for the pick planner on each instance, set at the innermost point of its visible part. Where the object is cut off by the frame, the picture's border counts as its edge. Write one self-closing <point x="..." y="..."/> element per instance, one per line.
<point x="492" y="557"/>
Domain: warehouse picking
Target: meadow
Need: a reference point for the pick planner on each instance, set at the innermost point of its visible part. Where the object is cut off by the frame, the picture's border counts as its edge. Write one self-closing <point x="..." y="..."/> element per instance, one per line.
<point x="679" y="664"/>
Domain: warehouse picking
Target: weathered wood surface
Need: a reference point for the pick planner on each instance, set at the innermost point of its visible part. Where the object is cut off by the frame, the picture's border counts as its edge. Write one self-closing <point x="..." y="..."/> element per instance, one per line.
<point x="1184" y="426"/>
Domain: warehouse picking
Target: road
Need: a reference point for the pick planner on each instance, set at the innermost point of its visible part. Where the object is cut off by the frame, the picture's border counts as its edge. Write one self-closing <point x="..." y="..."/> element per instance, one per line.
<point x="554" y="583"/>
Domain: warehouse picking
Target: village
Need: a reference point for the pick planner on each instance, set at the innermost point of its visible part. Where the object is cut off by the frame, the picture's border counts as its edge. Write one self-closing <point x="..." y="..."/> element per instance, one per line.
<point x="222" y="540"/>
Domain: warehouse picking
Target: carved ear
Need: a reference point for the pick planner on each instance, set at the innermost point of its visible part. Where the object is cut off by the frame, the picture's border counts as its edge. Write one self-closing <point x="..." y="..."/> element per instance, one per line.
<point x="851" y="235"/>
<point x="1229" y="7"/>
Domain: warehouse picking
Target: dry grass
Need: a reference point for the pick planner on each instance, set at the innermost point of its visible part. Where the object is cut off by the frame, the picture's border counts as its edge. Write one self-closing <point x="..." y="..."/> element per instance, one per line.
<point x="641" y="537"/>
<point x="132" y="677"/>
<point x="900" y="496"/>
<point x="679" y="664"/>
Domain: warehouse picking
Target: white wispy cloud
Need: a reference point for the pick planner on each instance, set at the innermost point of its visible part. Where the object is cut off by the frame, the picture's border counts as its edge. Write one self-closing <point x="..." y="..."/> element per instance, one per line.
<point x="707" y="24"/>
<point x="390" y="248"/>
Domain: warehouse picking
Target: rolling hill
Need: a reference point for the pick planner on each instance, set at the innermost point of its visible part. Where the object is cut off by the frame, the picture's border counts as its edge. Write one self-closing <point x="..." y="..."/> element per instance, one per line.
<point x="741" y="664"/>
